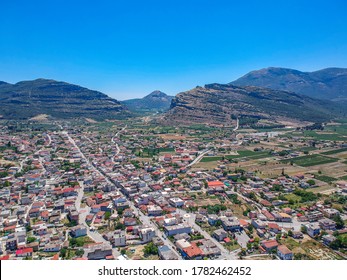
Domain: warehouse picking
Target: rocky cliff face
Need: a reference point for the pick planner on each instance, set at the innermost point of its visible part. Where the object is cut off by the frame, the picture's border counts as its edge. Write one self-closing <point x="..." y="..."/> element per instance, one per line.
<point x="218" y="103"/>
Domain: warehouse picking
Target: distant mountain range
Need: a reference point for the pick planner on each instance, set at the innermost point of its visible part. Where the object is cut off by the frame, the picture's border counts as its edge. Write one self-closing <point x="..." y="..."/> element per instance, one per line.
<point x="275" y="94"/>
<point x="219" y="103"/>
<point x="28" y="99"/>
<point x="329" y="83"/>
<point x="153" y="102"/>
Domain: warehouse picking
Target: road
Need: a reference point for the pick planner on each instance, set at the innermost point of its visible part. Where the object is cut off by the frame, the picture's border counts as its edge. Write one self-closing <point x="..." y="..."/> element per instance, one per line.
<point x="94" y="234"/>
<point x="116" y="135"/>
<point x="237" y="125"/>
<point x="190" y="219"/>
<point x="198" y="158"/>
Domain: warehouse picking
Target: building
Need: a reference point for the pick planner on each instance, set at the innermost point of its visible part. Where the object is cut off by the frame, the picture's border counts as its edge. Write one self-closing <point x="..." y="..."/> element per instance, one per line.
<point x="147" y="234"/>
<point x="220" y="234"/>
<point x="258" y="224"/>
<point x="193" y="252"/>
<point x="212" y="219"/>
<point x="166" y="253"/>
<point x="313" y="229"/>
<point x="176" y="229"/>
<point x="330" y="212"/>
<point x="26" y="252"/>
<point x="327" y="224"/>
<point x="284" y="253"/>
<point x="119" y="238"/>
<point x="231" y="224"/>
<point x="176" y="202"/>
<point x="269" y="245"/>
<point x="78" y="231"/>
<point x="98" y="252"/>
<point x="154" y="210"/>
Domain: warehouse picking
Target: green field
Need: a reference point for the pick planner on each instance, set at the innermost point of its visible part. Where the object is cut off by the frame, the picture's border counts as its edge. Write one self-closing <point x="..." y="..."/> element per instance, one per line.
<point x="343" y="178"/>
<point x="241" y="154"/>
<point x="329" y="137"/>
<point x="333" y="152"/>
<point x="310" y="160"/>
<point x="324" y="178"/>
<point x="209" y="159"/>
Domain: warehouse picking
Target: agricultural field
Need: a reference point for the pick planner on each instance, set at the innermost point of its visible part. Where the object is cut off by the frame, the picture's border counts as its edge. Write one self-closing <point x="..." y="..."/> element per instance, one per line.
<point x="246" y="154"/>
<point x="310" y="160"/>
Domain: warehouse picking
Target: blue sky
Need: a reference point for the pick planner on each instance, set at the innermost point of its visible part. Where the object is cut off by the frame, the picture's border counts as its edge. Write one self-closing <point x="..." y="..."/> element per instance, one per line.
<point x="129" y="48"/>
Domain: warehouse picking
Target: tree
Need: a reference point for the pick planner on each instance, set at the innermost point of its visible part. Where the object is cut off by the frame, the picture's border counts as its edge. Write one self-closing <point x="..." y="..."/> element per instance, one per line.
<point x="150" y="249"/>
<point x="339" y="222"/>
<point x="63" y="252"/>
<point x="107" y="215"/>
<point x="79" y="252"/>
<point x="31" y="239"/>
<point x="311" y="182"/>
<point x="303" y="229"/>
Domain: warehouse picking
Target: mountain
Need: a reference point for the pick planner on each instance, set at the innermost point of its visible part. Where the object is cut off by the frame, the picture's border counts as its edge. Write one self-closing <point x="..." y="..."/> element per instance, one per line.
<point x="28" y="99"/>
<point x="329" y="83"/>
<point x="153" y="102"/>
<point x="219" y="103"/>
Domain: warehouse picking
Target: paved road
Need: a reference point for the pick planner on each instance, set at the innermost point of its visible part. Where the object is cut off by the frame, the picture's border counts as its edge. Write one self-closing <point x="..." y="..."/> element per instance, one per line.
<point x="190" y="219"/>
<point x="199" y="157"/>
<point x="96" y="236"/>
<point x="145" y="219"/>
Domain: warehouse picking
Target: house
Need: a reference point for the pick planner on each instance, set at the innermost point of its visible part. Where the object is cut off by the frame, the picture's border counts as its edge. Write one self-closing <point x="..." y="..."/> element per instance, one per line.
<point x="154" y="210"/>
<point x="193" y="252"/>
<point x="147" y="234"/>
<point x="212" y="219"/>
<point x="330" y="212"/>
<point x="285" y="218"/>
<point x="327" y="224"/>
<point x="26" y="252"/>
<point x="176" y="229"/>
<point x="327" y="239"/>
<point x="166" y="253"/>
<point x="52" y="247"/>
<point x="273" y="227"/>
<point x="284" y="253"/>
<point x="258" y="224"/>
<point x="11" y="243"/>
<point x="97" y="251"/>
<point x="269" y="245"/>
<point x="231" y="224"/>
<point x="220" y="234"/>
<point x="78" y="231"/>
<point x="176" y="202"/>
<point x="119" y="238"/>
<point x="313" y="230"/>
<point x="209" y="248"/>
<point x="297" y="235"/>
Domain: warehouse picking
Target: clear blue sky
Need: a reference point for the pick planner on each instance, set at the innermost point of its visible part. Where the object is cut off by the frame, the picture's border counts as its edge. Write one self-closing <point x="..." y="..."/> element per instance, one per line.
<point x="129" y="48"/>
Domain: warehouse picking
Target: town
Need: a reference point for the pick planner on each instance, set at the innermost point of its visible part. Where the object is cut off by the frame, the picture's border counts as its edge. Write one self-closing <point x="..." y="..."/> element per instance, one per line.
<point x="134" y="190"/>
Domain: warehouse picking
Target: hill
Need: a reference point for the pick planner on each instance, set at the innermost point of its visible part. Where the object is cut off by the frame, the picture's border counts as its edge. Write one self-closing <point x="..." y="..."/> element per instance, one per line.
<point x="28" y="99"/>
<point x="156" y="101"/>
<point x="329" y="83"/>
<point x="219" y="104"/>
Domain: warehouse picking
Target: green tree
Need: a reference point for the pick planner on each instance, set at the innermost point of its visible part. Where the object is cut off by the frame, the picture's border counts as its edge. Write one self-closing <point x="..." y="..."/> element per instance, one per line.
<point x="150" y="249"/>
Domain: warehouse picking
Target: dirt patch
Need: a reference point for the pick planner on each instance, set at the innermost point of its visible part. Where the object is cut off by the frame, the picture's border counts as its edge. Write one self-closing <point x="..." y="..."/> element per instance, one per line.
<point x="172" y="137"/>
